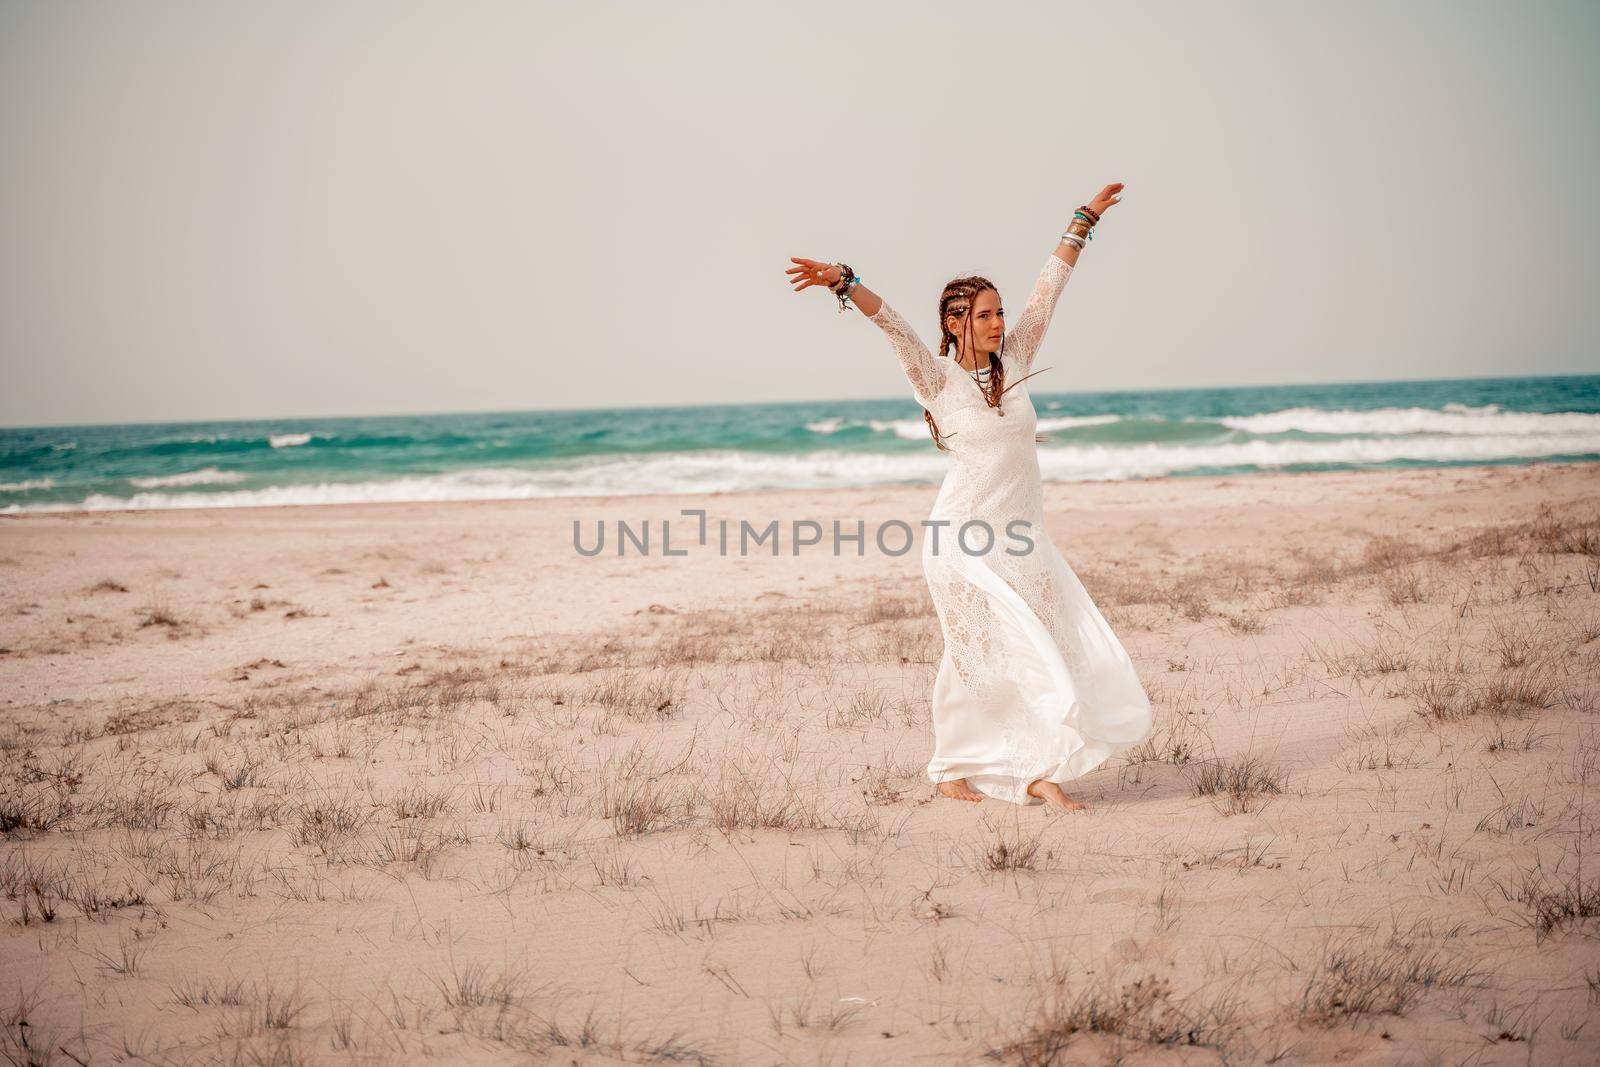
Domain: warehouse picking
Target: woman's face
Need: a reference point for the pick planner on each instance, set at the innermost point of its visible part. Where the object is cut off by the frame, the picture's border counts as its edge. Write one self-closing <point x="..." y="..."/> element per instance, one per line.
<point x="987" y="327"/>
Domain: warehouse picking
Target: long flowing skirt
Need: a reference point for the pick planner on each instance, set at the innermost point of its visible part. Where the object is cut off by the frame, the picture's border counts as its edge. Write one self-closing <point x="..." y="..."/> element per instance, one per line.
<point x="1033" y="683"/>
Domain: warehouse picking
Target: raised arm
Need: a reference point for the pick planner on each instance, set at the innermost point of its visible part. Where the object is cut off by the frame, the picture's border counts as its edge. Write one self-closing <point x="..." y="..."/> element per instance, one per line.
<point x="1023" y="341"/>
<point x="922" y="370"/>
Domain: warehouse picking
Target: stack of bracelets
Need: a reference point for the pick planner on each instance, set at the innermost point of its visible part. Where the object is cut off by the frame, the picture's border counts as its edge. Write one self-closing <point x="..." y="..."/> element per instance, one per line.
<point x="1081" y="228"/>
<point x="1079" y="231"/>
<point x="847" y="282"/>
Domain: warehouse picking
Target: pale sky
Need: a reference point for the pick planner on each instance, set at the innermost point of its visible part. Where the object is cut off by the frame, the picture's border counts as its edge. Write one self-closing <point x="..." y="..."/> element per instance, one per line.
<point x="272" y="210"/>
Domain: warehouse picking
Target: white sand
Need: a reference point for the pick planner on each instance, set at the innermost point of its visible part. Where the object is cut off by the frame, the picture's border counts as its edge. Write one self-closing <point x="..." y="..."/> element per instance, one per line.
<point x="684" y="797"/>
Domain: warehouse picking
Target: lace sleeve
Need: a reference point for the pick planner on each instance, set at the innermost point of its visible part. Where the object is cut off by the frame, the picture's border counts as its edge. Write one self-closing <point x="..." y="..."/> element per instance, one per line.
<point x="1023" y="341"/>
<point x="922" y="369"/>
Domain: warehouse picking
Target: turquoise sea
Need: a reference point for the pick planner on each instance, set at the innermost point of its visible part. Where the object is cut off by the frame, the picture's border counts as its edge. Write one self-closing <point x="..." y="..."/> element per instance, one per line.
<point x="520" y="454"/>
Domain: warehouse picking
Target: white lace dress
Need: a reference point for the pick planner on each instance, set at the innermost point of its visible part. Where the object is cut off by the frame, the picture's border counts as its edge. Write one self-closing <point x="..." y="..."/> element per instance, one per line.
<point x="1032" y="683"/>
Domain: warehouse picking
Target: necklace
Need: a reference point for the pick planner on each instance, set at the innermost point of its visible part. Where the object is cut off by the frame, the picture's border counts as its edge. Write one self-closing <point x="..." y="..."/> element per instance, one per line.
<point x="982" y="376"/>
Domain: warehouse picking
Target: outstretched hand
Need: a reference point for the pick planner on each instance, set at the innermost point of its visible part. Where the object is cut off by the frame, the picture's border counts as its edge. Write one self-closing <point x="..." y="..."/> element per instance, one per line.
<point x="811" y="272"/>
<point x="1106" y="198"/>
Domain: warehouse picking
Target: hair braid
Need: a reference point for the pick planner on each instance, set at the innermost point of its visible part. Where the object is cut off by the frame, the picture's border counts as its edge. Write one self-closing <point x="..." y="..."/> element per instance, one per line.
<point x="956" y="301"/>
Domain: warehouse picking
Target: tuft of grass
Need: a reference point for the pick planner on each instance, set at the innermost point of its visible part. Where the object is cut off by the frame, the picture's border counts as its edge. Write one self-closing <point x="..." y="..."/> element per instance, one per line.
<point x="1512" y="645"/>
<point x="643" y="696"/>
<point x="1006" y="855"/>
<point x="641" y="793"/>
<point x="1510" y="693"/>
<point x="279" y="1008"/>
<point x="863" y="707"/>
<point x="1357" y="978"/>
<point x="1565" y="534"/>
<point x="883" y="608"/>
<point x="1437" y="698"/>
<point x="1179" y="737"/>
<point x="146" y="808"/>
<point x="249" y="772"/>
<point x="158" y="612"/>
<point x="406" y="843"/>
<point x="1553" y="906"/>
<point x="1187" y="598"/>
<point x="1389" y="652"/>
<point x="612" y="868"/>
<point x="212" y="992"/>
<point x="128" y="957"/>
<point x="1144" y="1010"/>
<point x="761" y="795"/>
<point x="476" y="986"/>
<point x="1244" y="622"/>
<point x="324" y="822"/>
<point x="1404" y="585"/>
<point x="1501" y="741"/>
<point x="1241" y="784"/>
<point x="31" y="811"/>
<point x="639" y="807"/>
<point x="417" y="801"/>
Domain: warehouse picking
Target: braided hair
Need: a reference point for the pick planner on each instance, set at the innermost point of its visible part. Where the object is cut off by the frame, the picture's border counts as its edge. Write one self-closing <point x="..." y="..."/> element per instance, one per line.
<point x="956" y="300"/>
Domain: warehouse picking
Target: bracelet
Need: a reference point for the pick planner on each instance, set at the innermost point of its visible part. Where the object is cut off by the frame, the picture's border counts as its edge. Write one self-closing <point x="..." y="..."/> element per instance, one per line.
<point x="847" y="282"/>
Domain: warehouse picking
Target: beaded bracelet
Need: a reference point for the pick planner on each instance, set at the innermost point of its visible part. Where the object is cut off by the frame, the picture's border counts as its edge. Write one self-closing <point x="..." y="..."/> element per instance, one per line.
<point x="844" y="297"/>
<point x="847" y="282"/>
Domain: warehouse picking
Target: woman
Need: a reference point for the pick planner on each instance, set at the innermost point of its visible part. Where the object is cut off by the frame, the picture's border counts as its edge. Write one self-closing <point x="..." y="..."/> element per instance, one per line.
<point x="1033" y="689"/>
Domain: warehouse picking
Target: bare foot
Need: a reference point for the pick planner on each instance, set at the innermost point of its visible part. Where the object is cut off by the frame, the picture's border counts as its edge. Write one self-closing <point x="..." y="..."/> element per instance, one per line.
<point x="960" y="790"/>
<point x="1052" y="795"/>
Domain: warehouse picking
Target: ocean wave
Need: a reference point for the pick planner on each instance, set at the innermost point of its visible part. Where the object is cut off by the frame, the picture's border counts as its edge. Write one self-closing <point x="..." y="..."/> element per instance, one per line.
<point x="910" y="429"/>
<point x="1067" y="422"/>
<point x="670" y="473"/>
<point x="204" y="476"/>
<point x="906" y="429"/>
<point x="1138" y="461"/>
<point x="288" y="440"/>
<point x="917" y="429"/>
<point x="1451" y="419"/>
<point x="27" y="486"/>
<point x="732" y="471"/>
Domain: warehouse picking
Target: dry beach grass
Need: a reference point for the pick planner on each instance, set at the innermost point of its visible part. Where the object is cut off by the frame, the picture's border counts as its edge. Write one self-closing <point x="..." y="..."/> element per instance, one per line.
<point x="416" y="783"/>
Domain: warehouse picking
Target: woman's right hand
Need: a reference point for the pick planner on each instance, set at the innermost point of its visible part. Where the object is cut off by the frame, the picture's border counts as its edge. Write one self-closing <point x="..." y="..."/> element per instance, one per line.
<point x="812" y="272"/>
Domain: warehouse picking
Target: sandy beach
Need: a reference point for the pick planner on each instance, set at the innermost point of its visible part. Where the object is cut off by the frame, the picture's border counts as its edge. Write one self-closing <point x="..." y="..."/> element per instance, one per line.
<point x="391" y="783"/>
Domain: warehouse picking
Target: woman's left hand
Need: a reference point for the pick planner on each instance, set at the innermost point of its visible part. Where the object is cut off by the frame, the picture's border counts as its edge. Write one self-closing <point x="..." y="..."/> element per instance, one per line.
<point x="1107" y="197"/>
